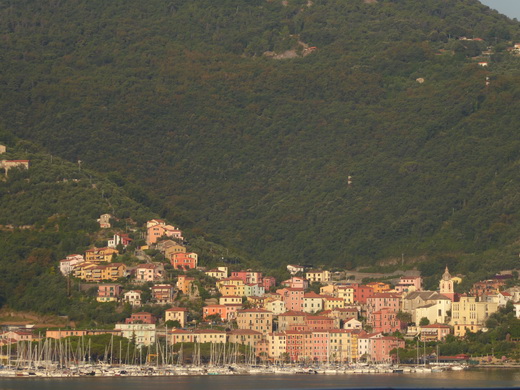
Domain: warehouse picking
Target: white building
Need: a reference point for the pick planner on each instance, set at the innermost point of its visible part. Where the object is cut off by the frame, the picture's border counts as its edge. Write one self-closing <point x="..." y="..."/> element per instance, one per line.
<point x="277" y="307"/>
<point x="312" y="302"/>
<point x="67" y="265"/>
<point x="365" y="345"/>
<point x="436" y="312"/>
<point x="143" y="334"/>
<point x="133" y="297"/>
<point x="352" y="323"/>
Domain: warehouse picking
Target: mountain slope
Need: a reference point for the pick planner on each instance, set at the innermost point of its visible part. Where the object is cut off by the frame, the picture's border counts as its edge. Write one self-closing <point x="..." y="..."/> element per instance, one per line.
<point x="179" y="97"/>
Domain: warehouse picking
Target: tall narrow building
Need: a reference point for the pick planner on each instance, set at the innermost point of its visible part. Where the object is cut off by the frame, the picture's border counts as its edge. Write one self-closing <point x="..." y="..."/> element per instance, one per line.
<point x="446" y="285"/>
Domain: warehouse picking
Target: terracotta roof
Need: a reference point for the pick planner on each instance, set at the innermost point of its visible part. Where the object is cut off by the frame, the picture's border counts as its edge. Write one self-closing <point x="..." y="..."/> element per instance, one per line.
<point x="208" y="331"/>
<point x="293" y="313"/>
<point x="312" y="294"/>
<point x="245" y="331"/>
<point x="435" y="326"/>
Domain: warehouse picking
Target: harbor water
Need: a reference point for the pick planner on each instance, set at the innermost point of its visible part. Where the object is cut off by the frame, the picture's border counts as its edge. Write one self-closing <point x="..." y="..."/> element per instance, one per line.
<point x="481" y="378"/>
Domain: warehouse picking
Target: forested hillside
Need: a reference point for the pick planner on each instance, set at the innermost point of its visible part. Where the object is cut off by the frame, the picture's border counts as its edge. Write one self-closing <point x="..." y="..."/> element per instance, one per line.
<point x="47" y="212"/>
<point x="188" y="100"/>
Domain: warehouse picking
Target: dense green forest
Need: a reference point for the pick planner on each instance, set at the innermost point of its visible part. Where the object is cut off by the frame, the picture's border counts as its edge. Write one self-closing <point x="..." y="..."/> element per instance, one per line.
<point x="176" y="103"/>
<point x="46" y="213"/>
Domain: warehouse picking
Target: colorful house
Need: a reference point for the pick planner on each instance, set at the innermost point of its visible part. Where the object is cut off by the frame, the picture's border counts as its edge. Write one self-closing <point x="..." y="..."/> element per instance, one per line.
<point x="119" y="239"/>
<point x="133" y="297"/>
<point x="312" y="302"/>
<point x="67" y="265"/>
<point x="99" y="255"/>
<point x="179" y="314"/>
<point x="212" y="310"/>
<point x="184" y="260"/>
<point x="149" y="272"/>
<point x="292" y="297"/>
<point x="296" y="282"/>
<point x="292" y="320"/>
<point x="141" y="318"/>
<point x="109" y="292"/>
<point x="385" y="320"/>
<point x="185" y="284"/>
<point x="260" y="320"/>
<point x="317" y="276"/>
<point x="156" y="228"/>
<point x="434" y="332"/>
<point x="248" y="277"/>
<point x="163" y="293"/>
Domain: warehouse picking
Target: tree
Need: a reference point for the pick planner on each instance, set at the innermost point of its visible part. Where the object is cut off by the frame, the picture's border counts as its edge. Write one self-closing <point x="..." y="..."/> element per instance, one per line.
<point x="404" y="317"/>
<point x="424" y="321"/>
<point x="173" y="324"/>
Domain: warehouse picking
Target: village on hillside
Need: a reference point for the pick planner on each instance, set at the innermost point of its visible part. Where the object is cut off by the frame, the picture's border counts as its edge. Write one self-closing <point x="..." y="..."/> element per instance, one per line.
<point x="310" y="317"/>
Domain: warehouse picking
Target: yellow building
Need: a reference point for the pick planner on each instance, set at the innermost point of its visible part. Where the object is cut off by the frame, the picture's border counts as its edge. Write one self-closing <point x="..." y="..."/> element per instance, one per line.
<point x="93" y="272"/>
<point x="185" y="283"/>
<point x="259" y="320"/>
<point x="231" y="289"/>
<point x="97" y="255"/>
<point x="277" y="345"/>
<point x="331" y="303"/>
<point x="379" y="287"/>
<point x="173" y="248"/>
<point x="230" y="300"/>
<point x="179" y="314"/>
<point x="209" y="336"/>
<point x="218" y="273"/>
<point x="346" y="293"/>
<point x="245" y="337"/>
<point x="317" y="276"/>
<point x="329" y="289"/>
<point x="343" y="345"/>
<point x="470" y="315"/>
<point x="230" y="282"/>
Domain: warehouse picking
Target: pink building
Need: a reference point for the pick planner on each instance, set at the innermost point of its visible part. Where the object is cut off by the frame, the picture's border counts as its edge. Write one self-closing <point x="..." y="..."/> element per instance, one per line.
<point x="320" y="323"/>
<point x="292" y="297"/>
<point x="434" y="332"/>
<point x="151" y="272"/>
<point x="109" y="290"/>
<point x="268" y="282"/>
<point x="378" y="301"/>
<point x="317" y="349"/>
<point x="382" y="347"/>
<point x="248" y="277"/>
<point x="184" y="260"/>
<point x="15" y="336"/>
<point x="295" y="344"/>
<point x="296" y="282"/>
<point x="211" y="310"/>
<point x="163" y="293"/>
<point x="408" y="284"/>
<point x="157" y="228"/>
<point x="385" y="321"/>
<point x="361" y="293"/>
<point x="141" y="318"/>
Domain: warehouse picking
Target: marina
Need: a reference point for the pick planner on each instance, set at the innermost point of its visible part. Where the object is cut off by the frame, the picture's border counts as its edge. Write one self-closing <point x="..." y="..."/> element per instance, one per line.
<point x="106" y="370"/>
